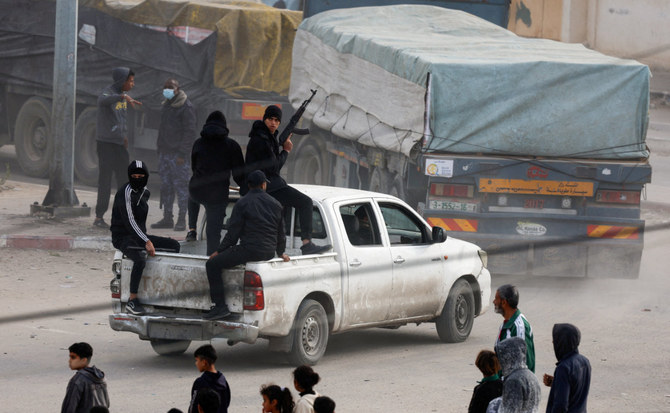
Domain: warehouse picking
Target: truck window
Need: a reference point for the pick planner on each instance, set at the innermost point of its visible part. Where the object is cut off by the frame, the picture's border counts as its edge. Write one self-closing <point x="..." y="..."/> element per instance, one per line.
<point x="360" y="224"/>
<point x="318" y="227"/>
<point x="402" y="226"/>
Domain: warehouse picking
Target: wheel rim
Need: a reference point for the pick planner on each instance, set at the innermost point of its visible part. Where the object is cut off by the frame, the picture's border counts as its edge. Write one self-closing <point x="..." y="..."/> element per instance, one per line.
<point x="311" y="335"/>
<point x="309" y="171"/>
<point x="36" y="144"/>
<point x="462" y="312"/>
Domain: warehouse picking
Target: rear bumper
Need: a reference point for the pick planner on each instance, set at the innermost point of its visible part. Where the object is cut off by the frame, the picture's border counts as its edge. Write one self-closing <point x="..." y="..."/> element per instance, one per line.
<point x="175" y="328"/>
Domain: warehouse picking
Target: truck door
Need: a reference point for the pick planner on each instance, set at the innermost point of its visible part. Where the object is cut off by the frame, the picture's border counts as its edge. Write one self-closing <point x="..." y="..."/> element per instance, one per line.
<point x="417" y="263"/>
<point x="368" y="264"/>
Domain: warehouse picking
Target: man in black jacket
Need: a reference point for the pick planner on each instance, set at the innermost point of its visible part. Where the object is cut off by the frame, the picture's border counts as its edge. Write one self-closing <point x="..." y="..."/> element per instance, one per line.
<point x="257" y="222"/>
<point x="572" y="377"/>
<point x="263" y="153"/>
<point x="129" y="230"/>
<point x="112" y="139"/>
<point x="175" y="140"/>
<point x="214" y="158"/>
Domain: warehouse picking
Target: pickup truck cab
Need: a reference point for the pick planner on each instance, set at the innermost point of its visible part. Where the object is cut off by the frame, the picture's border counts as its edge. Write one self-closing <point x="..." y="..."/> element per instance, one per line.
<point x="387" y="268"/>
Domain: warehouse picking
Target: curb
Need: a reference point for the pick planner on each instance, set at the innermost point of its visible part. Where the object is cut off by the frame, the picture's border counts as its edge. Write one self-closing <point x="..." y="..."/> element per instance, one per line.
<point x="55" y="242"/>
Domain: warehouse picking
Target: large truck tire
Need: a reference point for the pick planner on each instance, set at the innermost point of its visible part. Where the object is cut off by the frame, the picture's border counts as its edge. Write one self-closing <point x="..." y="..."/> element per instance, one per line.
<point x="310" y="334"/>
<point x="85" y="151"/>
<point x="458" y="315"/>
<point x="310" y="165"/>
<point x="379" y="181"/>
<point x="32" y="137"/>
<point x="165" y="347"/>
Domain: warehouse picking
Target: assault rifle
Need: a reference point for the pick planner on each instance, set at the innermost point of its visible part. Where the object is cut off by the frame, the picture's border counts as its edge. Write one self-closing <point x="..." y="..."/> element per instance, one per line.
<point x="290" y="128"/>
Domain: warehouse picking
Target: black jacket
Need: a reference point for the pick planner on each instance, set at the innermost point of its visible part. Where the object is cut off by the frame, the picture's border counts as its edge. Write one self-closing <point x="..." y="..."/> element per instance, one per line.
<point x="257" y="221"/>
<point x="129" y="214"/>
<point x="572" y="376"/>
<point x="214" y="158"/>
<point x="218" y="383"/>
<point x="484" y="392"/>
<point x="87" y="388"/>
<point x="264" y="153"/>
<point x="177" y="130"/>
<point x="111" y="125"/>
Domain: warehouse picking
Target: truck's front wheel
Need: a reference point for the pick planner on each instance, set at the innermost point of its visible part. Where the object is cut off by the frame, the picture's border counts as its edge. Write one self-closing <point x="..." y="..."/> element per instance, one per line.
<point x="86" y="153"/>
<point x="166" y="347"/>
<point x="458" y="315"/>
<point x="310" y="334"/>
<point x="32" y="137"/>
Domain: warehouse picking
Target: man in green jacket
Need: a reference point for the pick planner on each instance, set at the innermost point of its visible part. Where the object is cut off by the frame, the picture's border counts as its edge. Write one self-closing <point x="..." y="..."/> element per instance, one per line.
<point x="515" y="324"/>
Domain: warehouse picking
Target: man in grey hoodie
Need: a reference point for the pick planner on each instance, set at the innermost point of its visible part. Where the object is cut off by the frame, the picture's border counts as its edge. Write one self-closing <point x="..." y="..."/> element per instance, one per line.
<point x="521" y="389"/>
<point x="112" y="137"/>
<point x="87" y="388"/>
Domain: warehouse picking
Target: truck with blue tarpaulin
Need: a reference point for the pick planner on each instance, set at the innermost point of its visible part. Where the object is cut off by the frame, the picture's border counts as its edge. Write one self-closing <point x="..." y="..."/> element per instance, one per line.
<point x="531" y="148"/>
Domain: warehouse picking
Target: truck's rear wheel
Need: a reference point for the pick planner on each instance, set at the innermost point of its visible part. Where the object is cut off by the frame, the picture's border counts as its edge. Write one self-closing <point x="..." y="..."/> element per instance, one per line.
<point x="458" y="315"/>
<point x="310" y="166"/>
<point x="85" y="152"/>
<point x="310" y="334"/>
<point x="379" y="181"/>
<point x="166" y="347"/>
<point x="32" y="137"/>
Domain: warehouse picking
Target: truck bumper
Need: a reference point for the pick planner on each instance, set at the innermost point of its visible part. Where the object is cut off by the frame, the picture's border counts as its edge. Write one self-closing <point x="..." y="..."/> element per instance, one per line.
<point x="175" y="328"/>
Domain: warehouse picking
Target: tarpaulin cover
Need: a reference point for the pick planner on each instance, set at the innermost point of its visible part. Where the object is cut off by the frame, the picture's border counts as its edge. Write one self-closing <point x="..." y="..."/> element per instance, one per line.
<point x="491" y="92"/>
<point x="248" y="54"/>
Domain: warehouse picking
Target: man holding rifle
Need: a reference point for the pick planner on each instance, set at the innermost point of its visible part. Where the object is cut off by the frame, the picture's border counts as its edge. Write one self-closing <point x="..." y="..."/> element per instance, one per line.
<point x="266" y="153"/>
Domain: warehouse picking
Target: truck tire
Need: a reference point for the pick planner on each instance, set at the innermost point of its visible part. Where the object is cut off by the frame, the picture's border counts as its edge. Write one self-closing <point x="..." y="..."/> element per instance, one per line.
<point x="310" y="165"/>
<point x="166" y="347"/>
<point x="310" y="334"/>
<point x="458" y="315"/>
<point x="379" y="181"/>
<point x="32" y="137"/>
<point x="85" y="152"/>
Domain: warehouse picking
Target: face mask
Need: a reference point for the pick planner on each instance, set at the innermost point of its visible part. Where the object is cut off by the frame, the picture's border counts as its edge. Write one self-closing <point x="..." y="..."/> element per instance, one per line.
<point x="168" y="93"/>
<point x="138" y="183"/>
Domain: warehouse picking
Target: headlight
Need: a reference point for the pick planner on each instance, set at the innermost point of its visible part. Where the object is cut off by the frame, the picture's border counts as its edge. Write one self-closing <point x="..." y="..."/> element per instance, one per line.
<point x="484" y="257"/>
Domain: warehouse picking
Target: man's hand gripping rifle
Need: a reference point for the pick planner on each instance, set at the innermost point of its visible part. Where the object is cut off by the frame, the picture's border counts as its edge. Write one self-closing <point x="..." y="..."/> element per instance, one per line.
<point x="290" y="128"/>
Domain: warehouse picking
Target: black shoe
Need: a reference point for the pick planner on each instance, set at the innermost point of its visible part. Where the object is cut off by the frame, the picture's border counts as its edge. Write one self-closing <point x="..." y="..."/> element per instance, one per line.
<point x="134" y="307"/>
<point x="191" y="236"/>
<point x="180" y="225"/>
<point x="311" y="248"/>
<point x="100" y="223"/>
<point x="163" y="223"/>
<point x="217" y="313"/>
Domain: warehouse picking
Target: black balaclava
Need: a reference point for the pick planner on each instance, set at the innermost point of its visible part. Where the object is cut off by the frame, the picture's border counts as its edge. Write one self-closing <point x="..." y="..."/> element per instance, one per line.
<point x="138" y="167"/>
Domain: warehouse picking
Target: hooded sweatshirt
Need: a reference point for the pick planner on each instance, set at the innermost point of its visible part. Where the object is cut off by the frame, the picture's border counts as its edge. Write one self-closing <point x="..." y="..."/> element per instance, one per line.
<point x="86" y="389"/>
<point x="177" y="129"/>
<point x="112" y="109"/>
<point x="218" y="383"/>
<point x="572" y="376"/>
<point x="129" y="213"/>
<point x="521" y="389"/>
<point x="214" y="158"/>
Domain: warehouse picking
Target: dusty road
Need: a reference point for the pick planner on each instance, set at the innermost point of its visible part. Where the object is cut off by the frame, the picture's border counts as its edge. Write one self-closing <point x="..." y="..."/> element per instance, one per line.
<point x="51" y="300"/>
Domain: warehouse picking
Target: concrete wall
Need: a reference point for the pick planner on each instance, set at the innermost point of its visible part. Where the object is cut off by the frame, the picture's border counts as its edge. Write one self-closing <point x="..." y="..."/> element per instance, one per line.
<point x="636" y="29"/>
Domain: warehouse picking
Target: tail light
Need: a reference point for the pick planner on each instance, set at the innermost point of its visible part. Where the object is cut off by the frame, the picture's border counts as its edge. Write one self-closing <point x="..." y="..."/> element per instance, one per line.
<point x="114" y="288"/>
<point x="254" y="300"/>
<point x="618" y="197"/>
<point x="452" y="190"/>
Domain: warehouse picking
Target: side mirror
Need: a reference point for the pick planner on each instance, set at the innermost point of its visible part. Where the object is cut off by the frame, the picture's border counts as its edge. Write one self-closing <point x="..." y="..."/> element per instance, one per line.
<point x="439" y="235"/>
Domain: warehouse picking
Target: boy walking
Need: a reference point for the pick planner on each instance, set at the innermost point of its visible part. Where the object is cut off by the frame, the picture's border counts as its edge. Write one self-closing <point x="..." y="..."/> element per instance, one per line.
<point x="87" y="388"/>
<point x="205" y="357"/>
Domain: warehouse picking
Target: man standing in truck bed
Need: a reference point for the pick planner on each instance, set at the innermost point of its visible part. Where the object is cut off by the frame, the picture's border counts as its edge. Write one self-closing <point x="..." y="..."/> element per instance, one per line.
<point x="112" y="138"/>
<point x="263" y="154"/>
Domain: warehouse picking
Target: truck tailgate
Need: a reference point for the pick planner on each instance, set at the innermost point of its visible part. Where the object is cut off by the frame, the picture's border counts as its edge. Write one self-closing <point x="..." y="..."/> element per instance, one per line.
<point x="180" y="280"/>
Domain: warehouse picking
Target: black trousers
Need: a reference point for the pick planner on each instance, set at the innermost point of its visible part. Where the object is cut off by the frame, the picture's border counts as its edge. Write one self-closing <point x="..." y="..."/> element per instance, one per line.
<point x="291" y="197"/>
<point x="112" y="159"/>
<point x="215" y="215"/>
<point x="135" y="250"/>
<point x="235" y="255"/>
<point x="193" y="211"/>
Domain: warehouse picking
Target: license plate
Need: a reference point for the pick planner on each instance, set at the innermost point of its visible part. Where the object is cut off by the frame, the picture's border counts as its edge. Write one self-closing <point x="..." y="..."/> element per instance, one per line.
<point x="533" y="203"/>
<point x="453" y="206"/>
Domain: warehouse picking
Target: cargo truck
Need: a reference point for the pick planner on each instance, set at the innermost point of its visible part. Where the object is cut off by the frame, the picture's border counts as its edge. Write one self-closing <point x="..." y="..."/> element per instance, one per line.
<point x="228" y="56"/>
<point x="531" y="148"/>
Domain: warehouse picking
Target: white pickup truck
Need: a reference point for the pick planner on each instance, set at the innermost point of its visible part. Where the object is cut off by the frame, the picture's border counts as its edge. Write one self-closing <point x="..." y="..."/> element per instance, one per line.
<point x="387" y="268"/>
